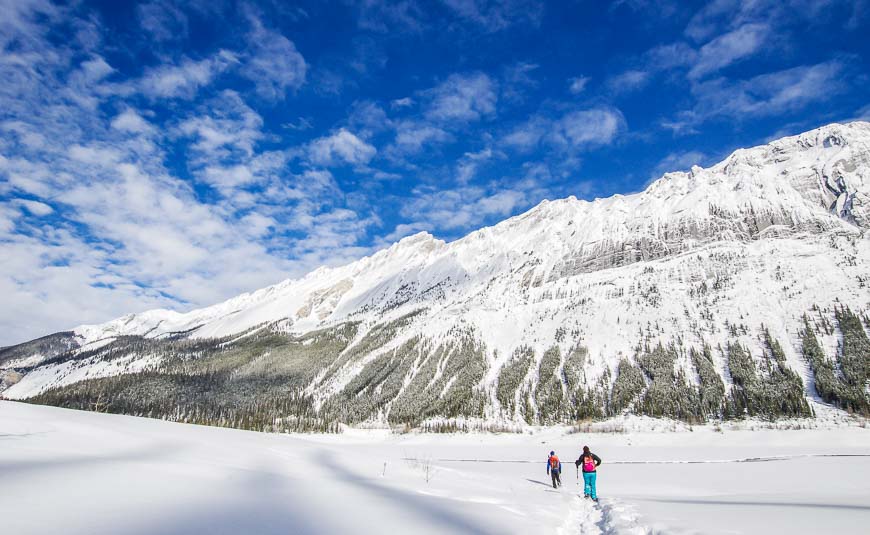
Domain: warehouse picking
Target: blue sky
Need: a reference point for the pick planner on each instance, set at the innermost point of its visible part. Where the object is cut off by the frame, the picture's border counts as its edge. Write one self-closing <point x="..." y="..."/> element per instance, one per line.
<point x="173" y="154"/>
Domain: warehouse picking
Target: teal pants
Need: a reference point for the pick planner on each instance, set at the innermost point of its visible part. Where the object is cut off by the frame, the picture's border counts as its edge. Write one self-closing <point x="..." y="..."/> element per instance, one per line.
<point x="589" y="485"/>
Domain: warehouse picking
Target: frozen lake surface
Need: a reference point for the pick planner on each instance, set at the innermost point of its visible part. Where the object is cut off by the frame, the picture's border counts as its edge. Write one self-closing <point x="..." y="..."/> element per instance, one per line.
<point x="74" y="472"/>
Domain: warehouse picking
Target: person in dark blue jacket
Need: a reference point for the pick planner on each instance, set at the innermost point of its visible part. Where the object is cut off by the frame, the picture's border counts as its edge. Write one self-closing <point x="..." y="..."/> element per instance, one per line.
<point x="554" y="469"/>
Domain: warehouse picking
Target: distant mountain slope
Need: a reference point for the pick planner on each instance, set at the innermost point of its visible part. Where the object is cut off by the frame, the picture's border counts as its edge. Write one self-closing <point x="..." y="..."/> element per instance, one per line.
<point x="697" y="297"/>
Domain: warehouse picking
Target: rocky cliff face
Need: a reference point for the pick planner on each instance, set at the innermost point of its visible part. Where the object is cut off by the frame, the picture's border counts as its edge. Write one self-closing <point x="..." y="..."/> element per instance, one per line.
<point x="534" y="318"/>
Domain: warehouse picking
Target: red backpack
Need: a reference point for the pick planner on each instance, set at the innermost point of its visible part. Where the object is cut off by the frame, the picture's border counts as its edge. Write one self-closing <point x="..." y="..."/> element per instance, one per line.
<point x="554" y="462"/>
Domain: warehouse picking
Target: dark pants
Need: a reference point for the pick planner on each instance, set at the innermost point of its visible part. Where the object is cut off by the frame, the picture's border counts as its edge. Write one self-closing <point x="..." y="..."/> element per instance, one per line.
<point x="556" y="479"/>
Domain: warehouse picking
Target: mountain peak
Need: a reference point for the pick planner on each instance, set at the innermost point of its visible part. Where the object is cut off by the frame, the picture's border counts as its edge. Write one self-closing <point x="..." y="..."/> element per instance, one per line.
<point x="817" y="179"/>
<point x="512" y="316"/>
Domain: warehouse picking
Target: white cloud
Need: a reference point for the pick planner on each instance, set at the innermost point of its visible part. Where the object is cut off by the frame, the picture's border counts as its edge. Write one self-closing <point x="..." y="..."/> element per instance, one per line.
<point x="301" y="124"/>
<point x="767" y="94"/>
<point x="469" y="163"/>
<point x="597" y="126"/>
<point x="389" y="16"/>
<point x="517" y="80"/>
<point x="226" y="125"/>
<point x="495" y="15"/>
<point x="578" y="84"/>
<point x="340" y="147"/>
<point x="462" y="97"/>
<point x="368" y="118"/>
<point x="96" y="69"/>
<point x="125" y="234"/>
<point x="26" y="134"/>
<point x="21" y="21"/>
<point x="94" y="155"/>
<point x="412" y="136"/>
<point x="56" y="281"/>
<point x="501" y="203"/>
<point x="670" y="56"/>
<point x="574" y="130"/>
<point x="728" y="48"/>
<point x="8" y="215"/>
<point x="273" y="63"/>
<point x="461" y="208"/>
<point x="163" y="20"/>
<point x="629" y="80"/>
<point x="227" y="178"/>
<point x="256" y="225"/>
<point x="529" y="134"/>
<point x="130" y="121"/>
<point x="402" y="230"/>
<point x="185" y="79"/>
<point x="35" y="207"/>
<point x="405" y="102"/>
<point x="678" y="161"/>
<point x="719" y="16"/>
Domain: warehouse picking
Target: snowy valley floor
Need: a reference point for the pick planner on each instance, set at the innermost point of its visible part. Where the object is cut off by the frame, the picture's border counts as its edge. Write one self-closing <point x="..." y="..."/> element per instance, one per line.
<point x="74" y="472"/>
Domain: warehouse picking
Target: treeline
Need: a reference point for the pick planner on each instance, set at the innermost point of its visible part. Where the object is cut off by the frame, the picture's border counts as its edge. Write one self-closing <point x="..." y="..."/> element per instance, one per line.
<point x="253" y="380"/>
<point x="193" y="399"/>
<point x="652" y="384"/>
<point x="841" y="381"/>
<point x="416" y="381"/>
<point x="670" y="381"/>
<point x="267" y="380"/>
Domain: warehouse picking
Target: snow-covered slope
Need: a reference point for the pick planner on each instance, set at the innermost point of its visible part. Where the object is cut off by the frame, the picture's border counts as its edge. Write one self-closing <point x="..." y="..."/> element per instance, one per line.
<point x="816" y="181"/>
<point x="762" y="238"/>
<point x="103" y="474"/>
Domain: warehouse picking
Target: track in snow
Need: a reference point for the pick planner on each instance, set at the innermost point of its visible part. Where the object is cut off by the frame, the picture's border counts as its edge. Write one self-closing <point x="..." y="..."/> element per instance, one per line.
<point x="607" y="517"/>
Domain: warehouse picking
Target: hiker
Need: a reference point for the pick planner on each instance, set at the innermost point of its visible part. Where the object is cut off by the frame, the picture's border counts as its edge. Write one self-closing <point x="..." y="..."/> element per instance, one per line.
<point x="554" y="468"/>
<point x="589" y="461"/>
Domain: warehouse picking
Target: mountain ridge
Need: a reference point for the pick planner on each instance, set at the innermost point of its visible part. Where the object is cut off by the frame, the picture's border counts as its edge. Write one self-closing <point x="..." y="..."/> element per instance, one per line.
<point x="733" y="254"/>
<point x="425" y="240"/>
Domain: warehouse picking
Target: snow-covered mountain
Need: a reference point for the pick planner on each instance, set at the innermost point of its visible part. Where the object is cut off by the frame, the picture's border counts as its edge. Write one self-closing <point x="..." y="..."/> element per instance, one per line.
<point x="546" y="303"/>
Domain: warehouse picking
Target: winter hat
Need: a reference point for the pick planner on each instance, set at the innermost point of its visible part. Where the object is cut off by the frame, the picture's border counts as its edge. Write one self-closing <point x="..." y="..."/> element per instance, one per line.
<point x="552" y="453"/>
<point x="585" y="449"/>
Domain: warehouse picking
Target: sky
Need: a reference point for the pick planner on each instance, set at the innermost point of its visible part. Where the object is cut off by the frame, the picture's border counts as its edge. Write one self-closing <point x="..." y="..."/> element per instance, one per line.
<point x="168" y="154"/>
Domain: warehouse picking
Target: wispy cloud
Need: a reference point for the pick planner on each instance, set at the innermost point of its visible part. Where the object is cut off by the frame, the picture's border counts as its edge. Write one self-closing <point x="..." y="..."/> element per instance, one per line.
<point x="728" y="48"/>
<point x="102" y="224"/>
<point x="573" y="130"/>
<point x="225" y="125"/>
<point x="186" y="78"/>
<point x="462" y="97"/>
<point x="630" y="80"/>
<point x="770" y="93"/>
<point x="460" y="208"/>
<point x="342" y="147"/>
<point x="131" y="122"/>
<point x="678" y="161"/>
<point x="163" y="20"/>
<point x="272" y="62"/>
<point x="577" y="84"/>
<point x="495" y="15"/>
<point x="720" y="16"/>
<point x="518" y="79"/>
<point x="185" y="152"/>
<point x="412" y="136"/>
<point x="469" y="164"/>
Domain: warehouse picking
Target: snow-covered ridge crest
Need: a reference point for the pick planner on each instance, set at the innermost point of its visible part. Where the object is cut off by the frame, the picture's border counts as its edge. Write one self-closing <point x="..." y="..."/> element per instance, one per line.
<point x="815" y="181"/>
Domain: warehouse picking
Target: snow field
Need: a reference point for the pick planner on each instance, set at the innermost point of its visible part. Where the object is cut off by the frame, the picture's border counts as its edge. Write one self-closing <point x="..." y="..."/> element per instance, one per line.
<point x="74" y="472"/>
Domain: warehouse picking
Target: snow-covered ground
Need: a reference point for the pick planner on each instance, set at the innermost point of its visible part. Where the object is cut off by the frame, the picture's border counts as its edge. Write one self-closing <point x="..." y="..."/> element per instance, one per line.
<point x="73" y="472"/>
